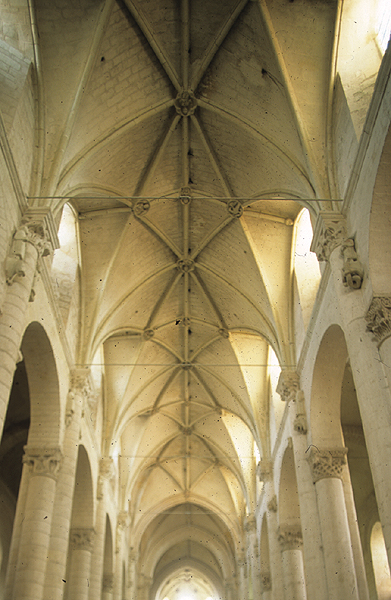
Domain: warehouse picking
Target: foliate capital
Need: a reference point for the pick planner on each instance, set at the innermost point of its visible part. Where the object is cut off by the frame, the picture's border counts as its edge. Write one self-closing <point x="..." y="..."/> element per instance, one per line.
<point x="41" y="230"/>
<point x="82" y="539"/>
<point x="290" y="538"/>
<point x="38" y="229"/>
<point x="79" y="390"/>
<point x="330" y="232"/>
<point x="43" y="461"/>
<point x="378" y="318"/>
<point x="250" y="524"/>
<point x="288" y="385"/>
<point x="326" y="463"/>
<point x="264" y="469"/>
<point x="272" y="504"/>
<point x="106" y="468"/>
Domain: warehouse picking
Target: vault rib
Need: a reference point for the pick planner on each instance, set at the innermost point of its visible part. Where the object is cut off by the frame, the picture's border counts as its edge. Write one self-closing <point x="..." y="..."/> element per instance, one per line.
<point x="216" y="43"/>
<point x="155" y="157"/>
<point x="244" y="123"/>
<point x="151" y="38"/>
<point x="123" y="299"/>
<point x="185" y="37"/>
<point x="53" y="177"/>
<point x="272" y="333"/>
<point x="203" y="244"/>
<point x="205" y="345"/>
<point x="121" y="419"/>
<point x="247" y="412"/>
<point x="167" y="384"/>
<point x="159" y="234"/>
<point x="166" y="292"/>
<point x="109" y="136"/>
<point x="212" y="157"/>
<point x="205" y="292"/>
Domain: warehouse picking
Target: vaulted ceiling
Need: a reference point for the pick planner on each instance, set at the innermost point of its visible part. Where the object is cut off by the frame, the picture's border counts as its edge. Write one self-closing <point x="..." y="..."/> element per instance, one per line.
<point x="187" y="135"/>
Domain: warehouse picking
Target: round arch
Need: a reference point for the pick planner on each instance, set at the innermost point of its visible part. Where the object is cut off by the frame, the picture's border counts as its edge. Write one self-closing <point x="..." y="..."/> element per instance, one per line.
<point x="326" y="388"/>
<point x="43" y="387"/>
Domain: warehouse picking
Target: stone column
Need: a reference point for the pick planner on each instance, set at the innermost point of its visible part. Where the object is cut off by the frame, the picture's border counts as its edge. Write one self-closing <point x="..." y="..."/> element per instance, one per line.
<point x="292" y="563"/>
<point x="289" y="390"/>
<point x="132" y="583"/>
<point x="253" y="556"/>
<point x="122" y="523"/>
<point x="57" y="560"/>
<point x="274" y="586"/>
<point x="242" y="576"/>
<point x="369" y="372"/>
<point x="229" y="590"/>
<point x="79" y="582"/>
<point x="266" y="586"/>
<point x="35" y="237"/>
<point x="106" y="473"/>
<point x="327" y="465"/>
<point x="27" y="579"/>
<point x="108" y="586"/>
<point x="144" y="587"/>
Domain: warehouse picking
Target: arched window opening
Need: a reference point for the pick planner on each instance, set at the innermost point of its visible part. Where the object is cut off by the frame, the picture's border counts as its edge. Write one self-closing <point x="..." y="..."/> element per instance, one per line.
<point x="306" y="267"/>
<point x="380" y="563"/>
<point x="188" y="584"/>
<point x="65" y="262"/>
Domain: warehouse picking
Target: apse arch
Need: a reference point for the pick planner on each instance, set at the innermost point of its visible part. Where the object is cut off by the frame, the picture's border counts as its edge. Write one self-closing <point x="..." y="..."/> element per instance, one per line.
<point x="173" y="574"/>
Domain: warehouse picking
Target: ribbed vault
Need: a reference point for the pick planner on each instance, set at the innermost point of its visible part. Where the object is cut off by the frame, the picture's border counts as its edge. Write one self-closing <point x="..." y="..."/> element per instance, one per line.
<point x="179" y="133"/>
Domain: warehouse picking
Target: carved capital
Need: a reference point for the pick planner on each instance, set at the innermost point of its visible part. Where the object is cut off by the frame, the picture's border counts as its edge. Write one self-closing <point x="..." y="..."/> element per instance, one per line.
<point x="378" y="318"/>
<point x="185" y="103"/>
<point x="326" y="463"/>
<point x="38" y="229"/>
<point x="290" y="538"/>
<point x="106" y="468"/>
<point x="264" y="469"/>
<point x="272" y="504"/>
<point x="43" y="461"/>
<point x="79" y="391"/>
<point x="330" y="232"/>
<point x="82" y="539"/>
<point x="288" y="385"/>
<point x="300" y="422"/>
<point x="353" y="271"/>
<point x="250" y="524"/>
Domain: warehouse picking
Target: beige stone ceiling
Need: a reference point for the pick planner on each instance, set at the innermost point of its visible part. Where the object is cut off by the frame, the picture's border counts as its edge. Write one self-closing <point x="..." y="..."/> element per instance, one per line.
<point x="183" y="133"/>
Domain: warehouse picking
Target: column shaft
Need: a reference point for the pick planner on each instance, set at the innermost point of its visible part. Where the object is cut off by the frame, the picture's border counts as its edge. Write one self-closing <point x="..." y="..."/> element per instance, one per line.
<point x="62" y="512"/>
<point x="339" y="561"/>
<point x="43" y="465"/>
<point x="293" y="570"/>
<point x="79" y="583"/>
